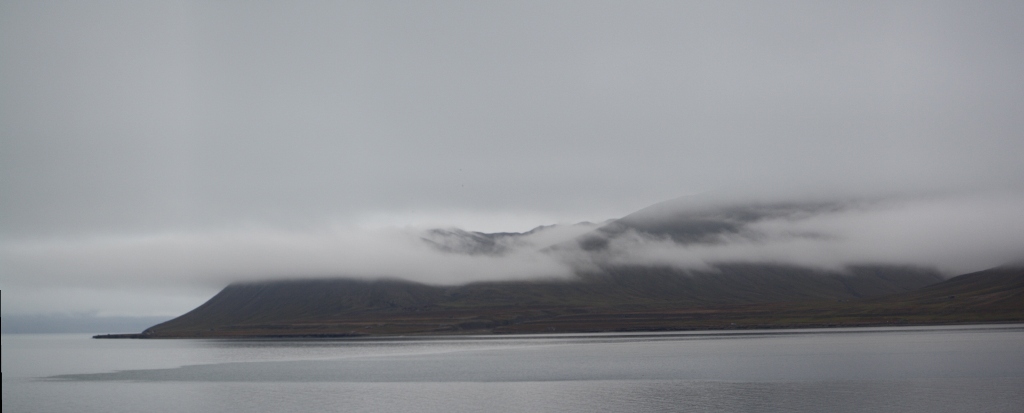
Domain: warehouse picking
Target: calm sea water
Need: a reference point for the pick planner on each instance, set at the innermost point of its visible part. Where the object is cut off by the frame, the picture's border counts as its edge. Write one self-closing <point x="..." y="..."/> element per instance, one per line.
<point x="917" y="369"/>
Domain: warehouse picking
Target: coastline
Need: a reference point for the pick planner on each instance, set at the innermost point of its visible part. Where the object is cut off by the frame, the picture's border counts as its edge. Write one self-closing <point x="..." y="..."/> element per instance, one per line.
<point x="244" y="335"/>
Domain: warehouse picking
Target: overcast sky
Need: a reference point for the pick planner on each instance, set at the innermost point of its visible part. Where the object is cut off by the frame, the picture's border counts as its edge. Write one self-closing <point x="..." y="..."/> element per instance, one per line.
<point x="168" y="126"/>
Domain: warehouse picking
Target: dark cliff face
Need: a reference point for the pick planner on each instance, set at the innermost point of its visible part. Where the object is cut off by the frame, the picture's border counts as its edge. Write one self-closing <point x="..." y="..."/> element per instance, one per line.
<point x="304" y="307"/>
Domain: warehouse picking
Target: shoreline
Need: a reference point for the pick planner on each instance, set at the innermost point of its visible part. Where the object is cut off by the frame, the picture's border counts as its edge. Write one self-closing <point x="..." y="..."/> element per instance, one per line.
<point x="493" y="334"/>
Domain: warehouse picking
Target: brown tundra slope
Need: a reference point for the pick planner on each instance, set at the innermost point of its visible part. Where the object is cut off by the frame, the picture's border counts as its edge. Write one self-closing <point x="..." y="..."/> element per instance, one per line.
<point x="618" y="299"/>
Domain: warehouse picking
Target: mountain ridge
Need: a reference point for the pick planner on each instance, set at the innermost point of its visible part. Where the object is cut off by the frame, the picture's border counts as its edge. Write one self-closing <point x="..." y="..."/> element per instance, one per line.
<point x="613" y="286"/>
<point x="349" y="306"/>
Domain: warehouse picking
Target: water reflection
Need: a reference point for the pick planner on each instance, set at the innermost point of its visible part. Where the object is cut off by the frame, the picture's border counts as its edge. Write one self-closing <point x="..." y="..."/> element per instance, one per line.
<point x="920" y="369"/>
<point x="846" y="354"/>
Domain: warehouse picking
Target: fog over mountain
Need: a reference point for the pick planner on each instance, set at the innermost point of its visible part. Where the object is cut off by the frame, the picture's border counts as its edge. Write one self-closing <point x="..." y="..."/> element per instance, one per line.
<point x="152" y="153"/>
<point x="954" y="235"/>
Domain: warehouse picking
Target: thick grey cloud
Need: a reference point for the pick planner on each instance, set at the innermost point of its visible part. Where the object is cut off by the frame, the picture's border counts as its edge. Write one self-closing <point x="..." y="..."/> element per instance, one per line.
<point x="185" y="124"/>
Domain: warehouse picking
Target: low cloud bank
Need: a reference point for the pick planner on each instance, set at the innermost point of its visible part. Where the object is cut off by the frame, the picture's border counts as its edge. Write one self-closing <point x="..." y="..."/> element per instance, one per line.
<point x="955" y="234"/>
<point x="171" y="273"/>
<point x="258" y="254"/>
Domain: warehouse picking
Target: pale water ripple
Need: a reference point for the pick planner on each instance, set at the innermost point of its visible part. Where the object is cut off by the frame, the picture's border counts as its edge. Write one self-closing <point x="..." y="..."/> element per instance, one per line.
<point x="929" y="369"/>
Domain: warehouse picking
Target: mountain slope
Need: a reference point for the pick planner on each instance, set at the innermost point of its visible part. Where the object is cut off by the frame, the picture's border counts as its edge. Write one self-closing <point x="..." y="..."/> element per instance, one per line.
<point x="632" y="273"/>
<point x="355" y="307"/>
<point x="994" y="294"/>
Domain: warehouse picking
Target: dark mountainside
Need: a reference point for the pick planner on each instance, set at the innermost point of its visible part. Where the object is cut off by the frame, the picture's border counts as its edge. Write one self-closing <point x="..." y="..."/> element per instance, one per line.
<point x="600" y="302"/>
<point x="610" y="296"/>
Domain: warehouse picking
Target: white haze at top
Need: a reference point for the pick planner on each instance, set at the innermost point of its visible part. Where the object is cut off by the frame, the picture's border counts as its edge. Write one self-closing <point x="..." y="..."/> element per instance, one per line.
<point x="152" y="152"/>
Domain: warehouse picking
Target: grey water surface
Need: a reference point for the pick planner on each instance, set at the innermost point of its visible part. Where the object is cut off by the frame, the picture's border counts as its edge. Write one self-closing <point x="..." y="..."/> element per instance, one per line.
<point x="905" y="369"/>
